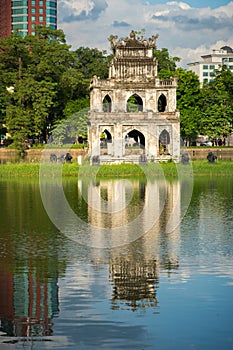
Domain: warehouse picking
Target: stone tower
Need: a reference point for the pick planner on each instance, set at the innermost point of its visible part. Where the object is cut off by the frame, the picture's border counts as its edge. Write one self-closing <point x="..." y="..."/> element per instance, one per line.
<point x="133" y="116"/>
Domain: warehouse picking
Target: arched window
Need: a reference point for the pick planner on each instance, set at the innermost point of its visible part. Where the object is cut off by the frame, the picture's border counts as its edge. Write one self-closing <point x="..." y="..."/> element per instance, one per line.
<point x="162" y="103"/>
<point x="134" y="104"/>
<point x="164" y="137"/>
<point x="164" y="141"/>
<point x="135" y="139"/>
<point x="107" y="104"/>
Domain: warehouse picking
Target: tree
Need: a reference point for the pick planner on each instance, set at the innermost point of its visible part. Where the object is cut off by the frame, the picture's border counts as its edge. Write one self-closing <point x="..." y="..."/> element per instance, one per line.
<point x="14" y="59"/>
<point x="189" y="102"/>
<point x="91" y="62"/>
<point x="166" y="63"/>
<point x="29" y="109"/>
<point x="216" y="119"/>
<point x="72" y="129"/>
<point x="42" y="74"/>
<point x="53" y="61"/>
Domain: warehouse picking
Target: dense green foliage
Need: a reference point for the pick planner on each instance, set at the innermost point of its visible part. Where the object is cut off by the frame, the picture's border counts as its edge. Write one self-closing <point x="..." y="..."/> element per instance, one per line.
<point x="189" y="103"/>
<point x="206" y="110"/>
<point x="166" y="63"/>
<point x="42" y="82"/>
<point x="217" y="111"/>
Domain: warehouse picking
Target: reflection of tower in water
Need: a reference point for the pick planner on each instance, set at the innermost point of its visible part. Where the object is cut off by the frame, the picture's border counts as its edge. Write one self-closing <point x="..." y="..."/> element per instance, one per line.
<point x="134" y="282"/>
<point x="108" y="202"/>
<point x="134" y="268"/>
<point x="113" y="204"/>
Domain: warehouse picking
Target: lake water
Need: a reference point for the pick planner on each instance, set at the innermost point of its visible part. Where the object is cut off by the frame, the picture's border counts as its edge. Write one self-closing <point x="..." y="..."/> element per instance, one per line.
<point x="116" y="264"/>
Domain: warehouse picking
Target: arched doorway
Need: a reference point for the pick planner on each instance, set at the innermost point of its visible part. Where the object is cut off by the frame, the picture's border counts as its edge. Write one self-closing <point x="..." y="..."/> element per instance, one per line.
<point x="105" y="142"/>
<point x="134" y="142"/>
<point x="107" y="104"/>
<point x="134" y="104"/>
<point x="164" y="142"/>
<point x="162" y="103"/>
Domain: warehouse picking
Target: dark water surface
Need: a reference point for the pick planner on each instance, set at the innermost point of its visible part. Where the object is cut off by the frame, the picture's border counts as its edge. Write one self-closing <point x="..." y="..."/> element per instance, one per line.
<point x="80" y="288"/>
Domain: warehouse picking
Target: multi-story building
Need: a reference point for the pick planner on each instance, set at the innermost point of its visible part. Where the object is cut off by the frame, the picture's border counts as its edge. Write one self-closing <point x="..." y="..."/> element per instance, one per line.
<point x="26" y="15"/>
<point x="215" y="60"/>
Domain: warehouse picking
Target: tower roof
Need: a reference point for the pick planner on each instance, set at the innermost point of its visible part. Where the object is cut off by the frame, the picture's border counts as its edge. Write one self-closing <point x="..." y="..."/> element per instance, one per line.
<point x="132" y="41"/>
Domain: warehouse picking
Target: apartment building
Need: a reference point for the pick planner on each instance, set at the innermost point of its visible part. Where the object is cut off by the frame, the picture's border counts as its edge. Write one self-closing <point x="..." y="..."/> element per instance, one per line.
<point x="215" y="60"/>
<point x="26" y="15"/>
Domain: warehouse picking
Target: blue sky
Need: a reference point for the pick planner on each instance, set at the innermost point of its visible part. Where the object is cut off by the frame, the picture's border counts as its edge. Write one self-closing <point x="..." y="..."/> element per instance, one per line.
<point x="188" y="29"/>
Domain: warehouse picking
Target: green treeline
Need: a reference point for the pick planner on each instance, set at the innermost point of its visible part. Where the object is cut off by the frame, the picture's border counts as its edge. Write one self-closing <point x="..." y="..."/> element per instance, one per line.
<point x="43" y="82"/>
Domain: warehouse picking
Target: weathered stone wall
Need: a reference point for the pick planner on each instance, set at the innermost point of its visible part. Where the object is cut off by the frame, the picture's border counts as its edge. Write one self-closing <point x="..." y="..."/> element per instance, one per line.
<point x="223" y="153"/>
<point x="34" y="155"/>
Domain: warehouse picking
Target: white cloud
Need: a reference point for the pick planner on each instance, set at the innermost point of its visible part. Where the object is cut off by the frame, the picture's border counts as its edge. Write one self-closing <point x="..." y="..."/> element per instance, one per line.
<point x="185" y="31"/>
<point x="181" y="5"/>
<point x="79" y="6"/>
<point x="80" y="10"/>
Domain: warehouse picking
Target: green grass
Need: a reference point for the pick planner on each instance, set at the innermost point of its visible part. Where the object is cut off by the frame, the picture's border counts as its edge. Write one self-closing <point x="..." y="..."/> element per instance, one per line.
<point x="198" y="168"/>
<point x="220" y="168"/>
<point x="19" y="169"/>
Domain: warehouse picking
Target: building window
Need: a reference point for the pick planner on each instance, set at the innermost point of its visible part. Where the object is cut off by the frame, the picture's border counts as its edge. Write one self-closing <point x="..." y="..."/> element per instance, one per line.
<point x="33" y="26"/>
<point x="33" y="3"/>
<point x="33" y="10"/>
<point x="19" y="11"/>
<point x="19" y="19"/>
<point x="212" y="67"/>
<point x="205" y="74"/>
<point x="205" y="80"/>
<point x="231" y="67"/>
<point x="33" y="18"/>
<point x="211" y="74"/>
<point x="41" y="3"/>
<point x="51" y="12"/>
<point x="41" y="18"/>
<point x="19" y="3"/>
<point x="20" y="26"/>
<point x="51" y="4"/>
<point x="51" y="20"/>
<point x="41" y="11"/>
<point x="205" y="66"/>
<point x="231" y="59"/>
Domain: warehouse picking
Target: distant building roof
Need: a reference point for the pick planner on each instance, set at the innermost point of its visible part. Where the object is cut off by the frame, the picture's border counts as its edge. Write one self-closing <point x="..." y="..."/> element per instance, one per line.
<point x="227" y="48"/>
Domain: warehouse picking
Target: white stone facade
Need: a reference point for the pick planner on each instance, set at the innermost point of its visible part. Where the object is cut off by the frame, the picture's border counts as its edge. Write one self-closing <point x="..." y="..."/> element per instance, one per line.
<point x="133" y="104"/>
<point x="211" y="62"/>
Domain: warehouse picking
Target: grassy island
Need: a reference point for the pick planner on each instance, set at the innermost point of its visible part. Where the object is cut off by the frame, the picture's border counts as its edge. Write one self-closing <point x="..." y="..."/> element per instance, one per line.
<point x="197" y="168"/>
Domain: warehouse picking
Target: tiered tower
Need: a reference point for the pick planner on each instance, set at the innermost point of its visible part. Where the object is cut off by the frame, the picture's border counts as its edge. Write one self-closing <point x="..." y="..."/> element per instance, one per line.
<point x="133" y="116"/>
